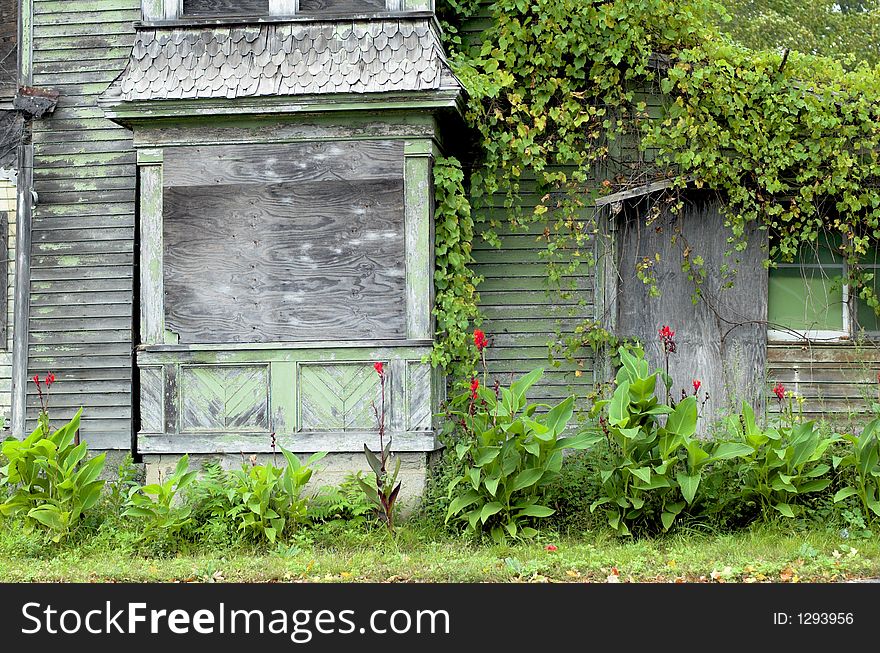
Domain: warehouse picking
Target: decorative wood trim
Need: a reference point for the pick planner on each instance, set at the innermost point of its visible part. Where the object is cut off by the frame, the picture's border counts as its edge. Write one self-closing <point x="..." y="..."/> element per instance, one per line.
<point x="21" y="311"/>
<point x="332" y="345"/>
<point x="418" y="188"/>
<point x="606" y="289"/>
<point x="25" y="42"/>
<point x="152" y="301"/>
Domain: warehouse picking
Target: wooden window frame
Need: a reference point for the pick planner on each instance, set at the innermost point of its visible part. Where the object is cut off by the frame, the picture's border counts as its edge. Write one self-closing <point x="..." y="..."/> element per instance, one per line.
<point x="850" y="327"/>
<point x="159" y="10"/>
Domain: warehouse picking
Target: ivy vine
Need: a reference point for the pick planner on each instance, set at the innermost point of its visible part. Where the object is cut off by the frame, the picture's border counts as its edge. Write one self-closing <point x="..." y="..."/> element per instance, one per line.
<point x="560" y="103"/>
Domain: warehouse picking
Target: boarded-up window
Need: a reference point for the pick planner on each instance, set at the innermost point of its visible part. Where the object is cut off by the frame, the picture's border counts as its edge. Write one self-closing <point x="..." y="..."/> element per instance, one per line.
<point x="340" y="6"/>
<point x="282" y="243"/>
<point x="225" y="7"/>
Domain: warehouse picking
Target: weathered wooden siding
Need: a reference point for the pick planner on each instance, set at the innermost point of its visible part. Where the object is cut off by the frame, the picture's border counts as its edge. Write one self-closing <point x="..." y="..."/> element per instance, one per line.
<point x="8" y="49"/>
<point x="7" y="222"/>
<point x="523" y="315"/>
<point x="721" y="339"/>
<point x="225" y="7"/>
<point x="838" y="382"/>
<point x="284" y="243"/>
<point x="83" y="221"/>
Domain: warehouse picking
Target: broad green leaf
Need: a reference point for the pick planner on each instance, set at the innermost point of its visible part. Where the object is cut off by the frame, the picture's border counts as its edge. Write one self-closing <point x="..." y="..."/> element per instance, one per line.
<point x="526" y="478"/>
<point x="688" y="484"/>
<point x="844" y="493"/>
<point x="785" y="509"/>
<point x="490" y="509"/>
<point x="558" y="417"/>
<point x="683" y="420"/>
<point x="535" y="511"/>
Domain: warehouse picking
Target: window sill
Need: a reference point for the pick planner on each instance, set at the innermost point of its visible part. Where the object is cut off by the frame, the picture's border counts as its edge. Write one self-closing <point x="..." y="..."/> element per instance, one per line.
<point x="823" y="338"/>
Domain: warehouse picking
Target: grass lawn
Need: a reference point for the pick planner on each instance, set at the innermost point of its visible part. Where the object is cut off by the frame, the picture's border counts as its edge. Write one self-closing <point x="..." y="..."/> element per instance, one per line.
<point x="764" y="554"/>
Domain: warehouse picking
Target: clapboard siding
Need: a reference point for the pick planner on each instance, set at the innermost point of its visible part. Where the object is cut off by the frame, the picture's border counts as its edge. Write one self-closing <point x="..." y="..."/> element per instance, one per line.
<point x="7" y="207"/>
<point x="523" y="316"/>
<point x="837" y="381"/>
<point x="83" y="224"/>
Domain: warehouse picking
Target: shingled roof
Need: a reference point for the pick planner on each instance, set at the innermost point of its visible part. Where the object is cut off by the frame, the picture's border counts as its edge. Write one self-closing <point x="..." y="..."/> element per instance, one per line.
<point x="296" y="58"/>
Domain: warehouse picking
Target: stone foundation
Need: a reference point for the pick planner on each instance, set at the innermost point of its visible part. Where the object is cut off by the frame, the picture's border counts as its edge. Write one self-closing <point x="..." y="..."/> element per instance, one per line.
<point x="330" y="470"/>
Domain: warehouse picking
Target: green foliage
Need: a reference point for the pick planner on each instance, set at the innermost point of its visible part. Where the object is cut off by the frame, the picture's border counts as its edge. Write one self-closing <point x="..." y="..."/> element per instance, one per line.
<point x="159" y="506"/>
<point x="49" y="480"/>
<point x="656" y="463"/>
<point x="863" y="459"/>
<point x="833" y="28"/>
<point x="382" y="488"/>
<point x="557" y="91"/>
<point x="120" y="487"/>
<point x="265" y="499"/>
<point x="785" y="462"/>
<point x="455" y="305"/>
<point x="344" y="503"/>
<point x="511" y="452"/>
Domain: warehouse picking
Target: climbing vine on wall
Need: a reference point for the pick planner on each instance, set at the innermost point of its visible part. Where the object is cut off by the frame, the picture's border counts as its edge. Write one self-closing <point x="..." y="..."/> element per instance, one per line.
<point x="455" y="284"/>
<point x="557" y="92"/>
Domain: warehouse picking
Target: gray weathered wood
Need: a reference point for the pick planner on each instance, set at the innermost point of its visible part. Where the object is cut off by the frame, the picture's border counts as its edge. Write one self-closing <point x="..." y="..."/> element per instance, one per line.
<point x="225" y="7"/>
<point x="340" y="6"/>
<point x="22" y="289"/>
<point x="318" y="260"/>
<point x="283" y="163"/>
<point x="309" y="442"/>
<point x="151" y="399"/>
<point x="721" y="339"/>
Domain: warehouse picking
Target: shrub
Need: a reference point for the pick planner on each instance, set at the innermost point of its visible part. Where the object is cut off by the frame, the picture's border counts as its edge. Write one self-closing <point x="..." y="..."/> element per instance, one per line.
<point x="785" y="462"/>
<point x="159" y="505"/>
<point x="511" y="452"/>
<point x="863" y="460"/>
<point x="48" y="478"/>
<point x="655" y="463"/>
<point x="346" y="503"/>
<point x="265" y="499"/>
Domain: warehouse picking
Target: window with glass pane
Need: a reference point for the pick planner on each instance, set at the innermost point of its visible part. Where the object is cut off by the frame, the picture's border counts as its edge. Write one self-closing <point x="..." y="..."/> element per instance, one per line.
<point x="866" y="317"/>
<point x="807" y="294"/>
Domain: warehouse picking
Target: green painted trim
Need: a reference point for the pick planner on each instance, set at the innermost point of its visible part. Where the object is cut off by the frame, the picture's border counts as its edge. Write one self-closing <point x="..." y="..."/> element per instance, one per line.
<point x="419" y="244"/>
<point x="25" y="42"/>
<point x="283" y="397"/>
<point x="209" y="130"/>
<point x="164" y="355"/>
<point x="152" y="304"/>
<point x="146" y="156"/>
<point x="133" y="113"/>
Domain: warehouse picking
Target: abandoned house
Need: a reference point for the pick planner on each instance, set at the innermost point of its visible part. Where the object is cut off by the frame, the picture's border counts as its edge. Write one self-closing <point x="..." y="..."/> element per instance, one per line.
<point x="217" y="214"/>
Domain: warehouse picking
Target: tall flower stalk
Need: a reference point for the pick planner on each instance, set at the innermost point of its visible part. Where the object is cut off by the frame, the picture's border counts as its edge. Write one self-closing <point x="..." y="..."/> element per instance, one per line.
<point x="387" y="487"/>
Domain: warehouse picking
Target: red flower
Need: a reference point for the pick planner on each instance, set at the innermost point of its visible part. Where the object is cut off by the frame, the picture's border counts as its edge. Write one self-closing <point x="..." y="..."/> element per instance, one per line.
<point x="475" y="385"/>
<point x="779" y="391"/>
<point x="380" y="368"/>
<point x="480" y="339"/>
<point x="37" y="379"/>
<point x="697" y="385"/>
<point x="667" y="337"/>
<point x="551" y="547"/>
<point x="50" y="379"/>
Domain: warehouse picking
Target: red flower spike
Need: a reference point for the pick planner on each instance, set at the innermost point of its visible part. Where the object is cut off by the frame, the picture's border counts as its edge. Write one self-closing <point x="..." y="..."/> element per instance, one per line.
<point x="475" y="385"/>
<point x="50" y="379"/>
<point x="36" y="379"/>
<point x="551" y="548"/>
<point x="779" y="391"/>
<point x="380" y="368"/>
<point x="697" y="384"/>
<point x="480" y="340"/>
